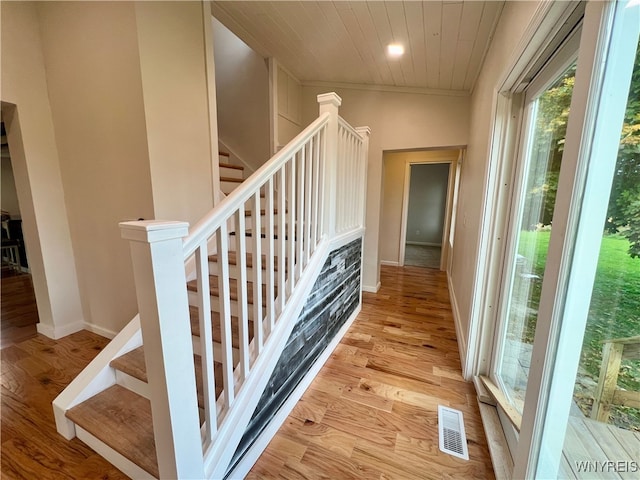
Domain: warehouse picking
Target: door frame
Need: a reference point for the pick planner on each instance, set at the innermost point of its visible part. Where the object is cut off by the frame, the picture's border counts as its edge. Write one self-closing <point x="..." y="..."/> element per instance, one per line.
<point x="444" y="245"/>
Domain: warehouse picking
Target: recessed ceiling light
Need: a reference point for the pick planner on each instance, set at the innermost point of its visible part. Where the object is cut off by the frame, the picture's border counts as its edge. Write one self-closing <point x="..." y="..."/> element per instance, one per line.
<point x="395" y="50"/>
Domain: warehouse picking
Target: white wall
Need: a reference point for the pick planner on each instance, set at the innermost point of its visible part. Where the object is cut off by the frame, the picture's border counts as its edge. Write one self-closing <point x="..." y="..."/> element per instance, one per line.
<point x="289" y="107"/>
<point x="512" y="25"/>
<point x="427" y="202"/>
<point x="174" y="82"/>
<point x="242" y="87"/>
<point x="398" y="120"/>
<point x="394" y="171"/>
<point x="95" y="89"/>
<point x="30" y="132"/>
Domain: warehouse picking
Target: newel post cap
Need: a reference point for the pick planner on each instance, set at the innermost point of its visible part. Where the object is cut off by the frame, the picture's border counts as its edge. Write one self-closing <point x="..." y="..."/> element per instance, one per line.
<point x="150" y="231"/>
<point x="363" y="131"/>
<point x="331" y="98"/>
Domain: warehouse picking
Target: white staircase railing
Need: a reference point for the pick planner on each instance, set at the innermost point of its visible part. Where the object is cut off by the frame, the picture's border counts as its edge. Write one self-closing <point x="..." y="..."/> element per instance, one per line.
<point x="280" y="221"/>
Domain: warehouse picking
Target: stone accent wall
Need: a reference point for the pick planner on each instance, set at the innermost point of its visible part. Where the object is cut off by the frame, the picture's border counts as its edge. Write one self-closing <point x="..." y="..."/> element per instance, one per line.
<point x="334" y="297"/>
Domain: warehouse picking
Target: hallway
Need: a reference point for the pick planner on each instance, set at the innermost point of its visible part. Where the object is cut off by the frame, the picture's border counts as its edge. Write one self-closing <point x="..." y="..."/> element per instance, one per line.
<point x="370" y="413"/>
<point x="372" y="410"/>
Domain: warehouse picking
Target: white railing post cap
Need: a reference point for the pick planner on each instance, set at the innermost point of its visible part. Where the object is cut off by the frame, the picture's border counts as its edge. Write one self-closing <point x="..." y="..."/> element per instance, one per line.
<point x="363" y="131"/>
<point x="331" y="98"/>
<point x="153" y="230"/>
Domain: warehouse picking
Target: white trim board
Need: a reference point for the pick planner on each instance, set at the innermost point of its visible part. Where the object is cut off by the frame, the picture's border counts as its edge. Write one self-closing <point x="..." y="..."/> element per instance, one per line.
<point x="103" y="332"/>
<point x="57" y="332"/>
<point x="390" y="263"/>
<point x="369" y="289"/>
<point x="462" y="341"/>
<point x="387" y="88"/>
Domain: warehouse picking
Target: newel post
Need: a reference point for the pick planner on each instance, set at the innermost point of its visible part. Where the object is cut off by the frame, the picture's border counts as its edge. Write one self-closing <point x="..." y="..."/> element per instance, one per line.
<point x="158" y="268"/>
<point x="329" y="102"/>
<point x="365" y="133"/>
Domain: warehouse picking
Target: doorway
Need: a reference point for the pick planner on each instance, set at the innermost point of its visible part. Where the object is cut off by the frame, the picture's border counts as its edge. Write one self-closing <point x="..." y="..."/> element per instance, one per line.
<point x="425" y="215"/>
<point x="398" y="166"/>
<point x="19" y="312"/>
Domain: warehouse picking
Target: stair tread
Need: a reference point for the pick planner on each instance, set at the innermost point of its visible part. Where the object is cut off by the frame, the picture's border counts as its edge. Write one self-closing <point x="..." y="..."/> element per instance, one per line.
<point x="132" y="363"/>
<point x="229" y="165"/>
<point x="231" y="179"/>
<point x="121" y="419"/>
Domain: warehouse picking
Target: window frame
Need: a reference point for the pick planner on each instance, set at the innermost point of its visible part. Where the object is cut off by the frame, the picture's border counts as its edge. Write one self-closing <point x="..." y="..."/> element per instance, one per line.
<point x="562" y="59"/>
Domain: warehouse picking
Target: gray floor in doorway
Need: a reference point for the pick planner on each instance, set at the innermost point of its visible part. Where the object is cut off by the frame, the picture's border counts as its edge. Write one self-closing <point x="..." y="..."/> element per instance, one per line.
<point x="422" y="256"/>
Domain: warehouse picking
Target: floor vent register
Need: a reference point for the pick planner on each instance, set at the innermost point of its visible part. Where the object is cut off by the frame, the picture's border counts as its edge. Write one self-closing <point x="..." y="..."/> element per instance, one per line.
<point x="452" y="438"/>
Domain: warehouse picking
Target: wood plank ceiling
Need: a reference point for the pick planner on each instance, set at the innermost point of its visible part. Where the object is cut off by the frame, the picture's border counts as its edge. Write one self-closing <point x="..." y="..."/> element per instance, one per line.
<point x="345" y="41"/>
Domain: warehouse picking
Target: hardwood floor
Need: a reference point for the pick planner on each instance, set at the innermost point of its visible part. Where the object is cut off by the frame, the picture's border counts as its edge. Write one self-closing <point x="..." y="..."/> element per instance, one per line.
<point x="18" y="306"/>
<point x="372" y="410"/>
<point x="370" y="413"/>
<point x="34" y="372"/>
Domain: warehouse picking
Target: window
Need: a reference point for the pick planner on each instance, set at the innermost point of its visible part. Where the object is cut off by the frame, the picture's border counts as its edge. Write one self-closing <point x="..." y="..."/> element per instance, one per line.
<point x="564" y="290"/>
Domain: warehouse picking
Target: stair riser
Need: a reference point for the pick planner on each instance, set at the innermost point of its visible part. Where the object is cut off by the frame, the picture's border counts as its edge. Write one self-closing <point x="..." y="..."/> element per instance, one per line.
<point x="228" y="187"/>
<point x="193" y="301"/>
<point x="233" y="271"/>
<point x="231" y="172"/>
<point x="133" y="384"/>
<point x="217" y="350"/>
<point x="249" y="244"/>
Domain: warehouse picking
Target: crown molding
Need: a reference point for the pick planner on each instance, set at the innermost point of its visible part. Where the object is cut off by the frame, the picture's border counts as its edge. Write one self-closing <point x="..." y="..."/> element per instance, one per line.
<point x="388" y="88"/>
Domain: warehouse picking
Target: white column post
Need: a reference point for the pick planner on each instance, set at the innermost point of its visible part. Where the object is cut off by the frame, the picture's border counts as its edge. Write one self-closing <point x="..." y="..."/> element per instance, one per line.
<point x="158" y="267"/>
<point x="329" y="102"/>
<point x="365" y="133"/>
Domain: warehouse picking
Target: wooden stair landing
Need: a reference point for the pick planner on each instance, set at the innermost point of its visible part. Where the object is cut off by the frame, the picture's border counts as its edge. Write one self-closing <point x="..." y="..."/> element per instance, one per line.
<point x="122" y="420"/>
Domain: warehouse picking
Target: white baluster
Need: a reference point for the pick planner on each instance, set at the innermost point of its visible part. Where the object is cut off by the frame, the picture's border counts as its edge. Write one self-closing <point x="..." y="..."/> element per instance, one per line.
<point x="257" y="275"/>
<point x="317" y="185"/>
<point x="291" y="223"/>
<point x="307" y="201"/>
<point x="282" y="208"/>
<point x="270" y="256"/>
<point x="222" y="238"/>
<point x="299" y="227"/>
<point x="206" y="341"/>
<point x="241" y="265"/>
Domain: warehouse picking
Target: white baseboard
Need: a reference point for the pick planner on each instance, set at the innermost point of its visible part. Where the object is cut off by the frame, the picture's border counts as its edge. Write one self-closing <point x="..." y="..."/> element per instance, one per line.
<point x="260" y="444"/>
<point x="462" y="341"/>
<point x="390" y="263"/>
<point x="56" y="333"/>
<point x="100" y="330"/>
<point x="371" y="289"/>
